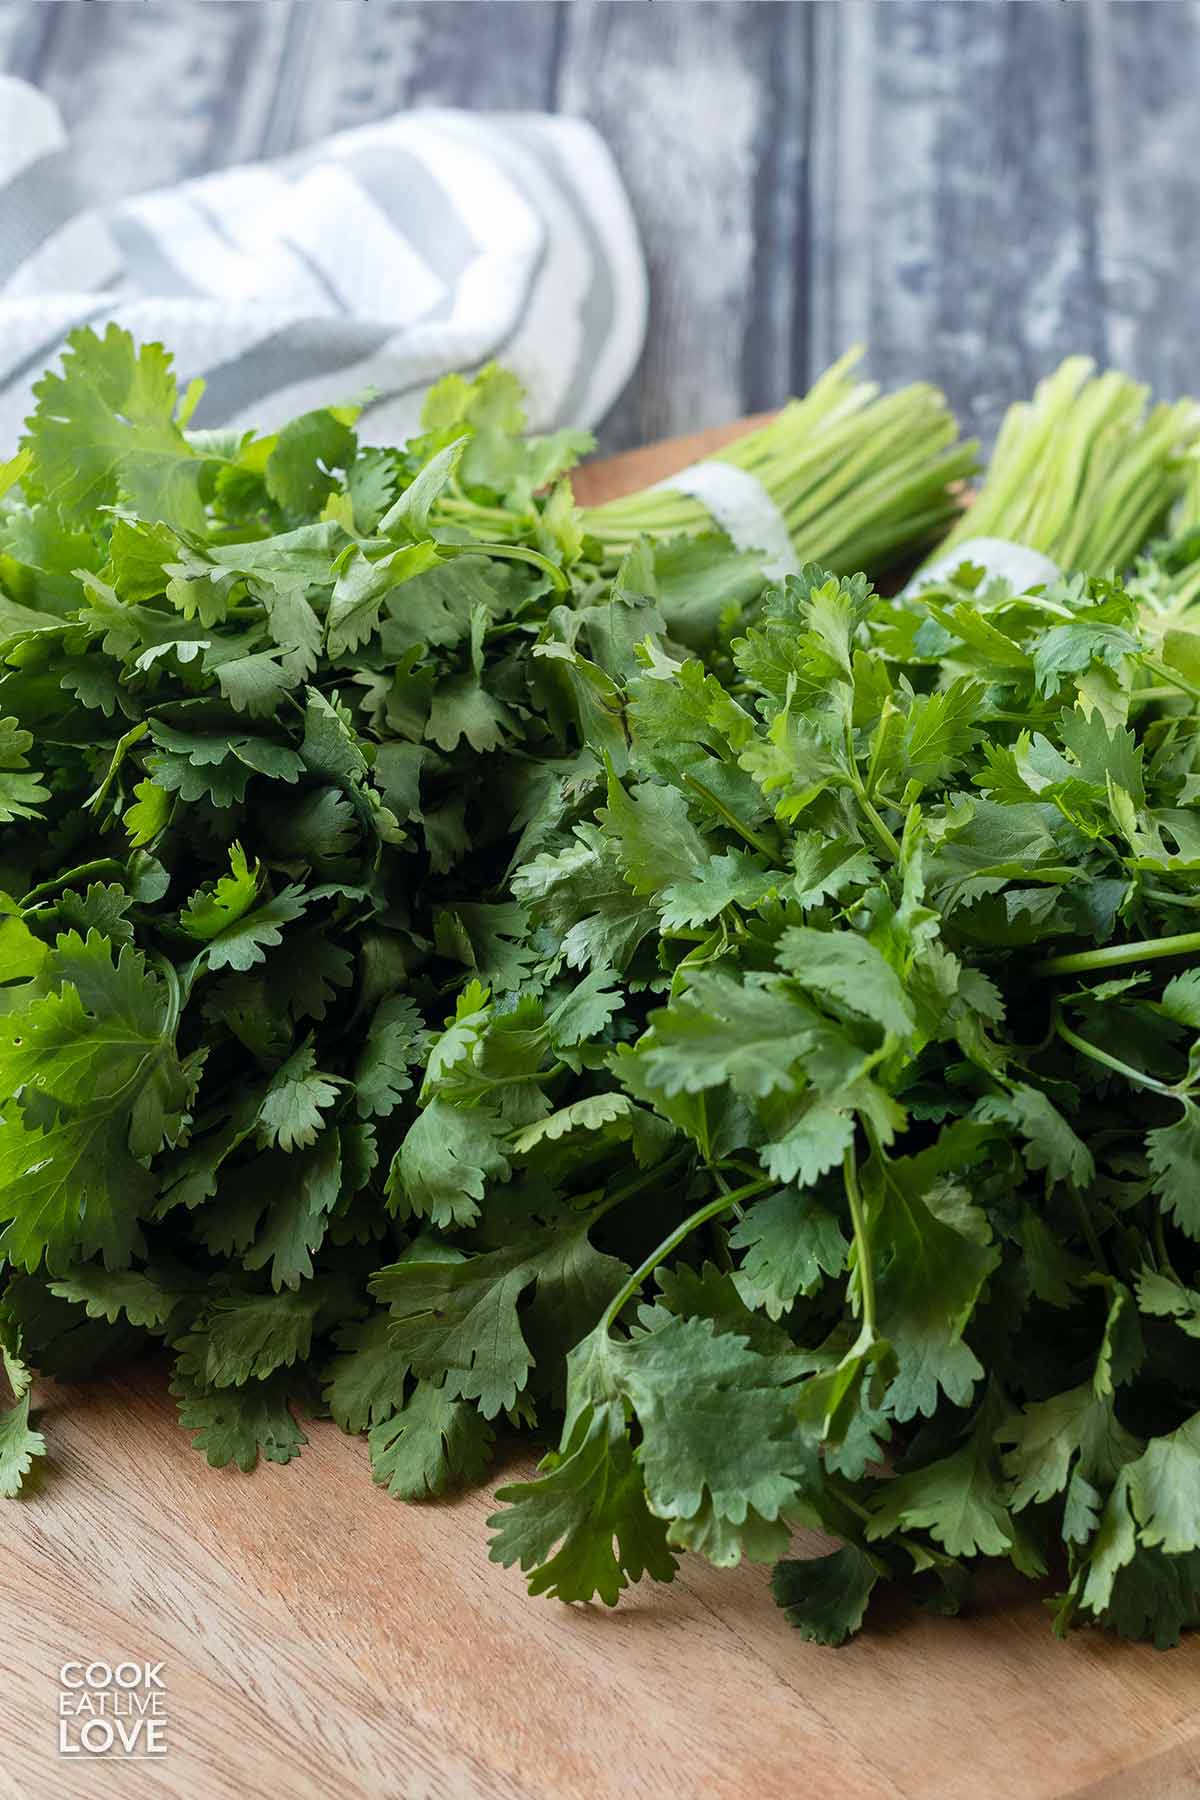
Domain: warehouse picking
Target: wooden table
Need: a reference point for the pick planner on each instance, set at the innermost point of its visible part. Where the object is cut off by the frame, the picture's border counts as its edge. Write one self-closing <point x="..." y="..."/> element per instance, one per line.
<point x="322" y="1642"/>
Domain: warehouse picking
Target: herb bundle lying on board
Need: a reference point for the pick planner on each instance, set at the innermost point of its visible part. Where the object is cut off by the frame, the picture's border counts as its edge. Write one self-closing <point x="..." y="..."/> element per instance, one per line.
<point x="857" y="477"/>
<point x="429" y="993"/>
<point x="1083" y="472"/>
<point x="859" y="480"/>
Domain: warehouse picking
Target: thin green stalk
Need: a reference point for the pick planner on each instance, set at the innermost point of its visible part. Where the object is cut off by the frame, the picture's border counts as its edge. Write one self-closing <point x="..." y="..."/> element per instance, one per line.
<point x="1111" y="1062"/>
<point x="1160" y="1243"/>
<point x="648" y="1178"/>
<point x="1166" y="898"/>
<point x="166" y="969"/>
<point x="863" y="491"/>
<point x="1167" y="674"/>
<point x="730" y="818"/>
<point x="862" y="1243"/>
<point x="738" y="1209"/>
<point x="1087" y="1227"/>
<point x="533" y="1075"/>
<point x="881" y="545"/>
<point x="1115" y="956"/>
<point x="693" y="1222"/>
<point x="888" y="712"/>
<point x="716" y="1237"/>
<point x="516" y="553"/>
<point x="886" y="838"/>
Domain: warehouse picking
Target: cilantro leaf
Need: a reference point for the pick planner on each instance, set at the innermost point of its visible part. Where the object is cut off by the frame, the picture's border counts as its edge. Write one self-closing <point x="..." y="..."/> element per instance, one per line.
<point x="582" y="1526"/>
<point x="429" y="1445"/>
<point x="960" y="1500"/>
<point x="927" y="1290"/>
<point x="94" y="1086"/>
<point x="1163" y="1490"/>
<point x="209" y="914"/>
<point x="292" y="1107"/>
<point x="791" y="1242"/>
<point x="366" y="1380"/>
<point x="106" y="425"/>
<point x="471" y="956"/>
<point x="19" y="1445"/>
<point x="458" y="1322"/>
<point x="115" y="1293"/>
<point x="240" y="1424"/>
<point x="248" y="1337"/>
<point x="731" y="879"/>
<point x="447" y="1157"/>
<point x="825" y="1597"/>
<point x="851" y="969"/>
<point x="392" y="1045"/>
<point x="21" y="792"/>
<point x="749" y="1034"/>
<point x="245" y="941"/>
<point x="1174" y="1155"/>
<point x="297" y="1219"/>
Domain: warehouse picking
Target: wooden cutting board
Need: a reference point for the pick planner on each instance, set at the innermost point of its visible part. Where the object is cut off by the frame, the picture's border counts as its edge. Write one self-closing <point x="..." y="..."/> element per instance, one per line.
<point x="322" y="1642"/>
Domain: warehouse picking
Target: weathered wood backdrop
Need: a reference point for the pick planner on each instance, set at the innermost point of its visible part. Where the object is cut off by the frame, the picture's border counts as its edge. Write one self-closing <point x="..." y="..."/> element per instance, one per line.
<point x="974" y="189"/>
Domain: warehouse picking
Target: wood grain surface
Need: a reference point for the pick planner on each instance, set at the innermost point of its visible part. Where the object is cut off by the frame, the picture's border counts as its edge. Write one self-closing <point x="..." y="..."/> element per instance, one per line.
<point x="322" y="1642"/>
<point x="974" y="191"/>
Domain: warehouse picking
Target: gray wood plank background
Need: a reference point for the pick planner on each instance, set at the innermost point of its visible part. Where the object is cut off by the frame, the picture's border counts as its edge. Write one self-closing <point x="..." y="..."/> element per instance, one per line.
<point x="972" y="189"/>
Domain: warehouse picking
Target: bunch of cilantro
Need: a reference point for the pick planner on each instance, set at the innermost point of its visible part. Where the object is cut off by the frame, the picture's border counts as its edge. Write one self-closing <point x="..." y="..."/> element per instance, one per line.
<point x="432" y="992"/>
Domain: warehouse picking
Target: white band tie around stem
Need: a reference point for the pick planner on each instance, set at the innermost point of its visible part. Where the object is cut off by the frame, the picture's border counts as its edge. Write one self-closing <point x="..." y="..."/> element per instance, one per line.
<point x="742" y="507"/>
<point x="1015" y="563"/>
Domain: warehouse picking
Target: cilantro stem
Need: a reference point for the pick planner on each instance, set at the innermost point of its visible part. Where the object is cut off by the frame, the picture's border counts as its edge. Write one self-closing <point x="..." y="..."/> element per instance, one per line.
<point x="1111" y="1062"/>
<point x="1153" y="693"/>
<point x="103" y="865"/>
<point x="857" y="477"/>
<point x="1160" y="1246"/>
<point x="646" y="1179"/>
<point x="918" y="1551"/>
<point x="862" y="1242"/>
<point x="1025" y="719"/>
<point x="1172" y="676"/>
<point x="738" y="1208"/>
<point x="890" y="711"/>
<point x="166" y="969"/>
<point x="1114" y="955"/>
<point x="693" y="1222"/>
<point x="1167" y="898"/>
<point x="526" y="1080"/>
<point x="1087" y="1227"/>
<point x="730" y="818"/>
<point x="886" y="839"/>
<point x="515" y="553"/>
<point x="743" y="1168"/>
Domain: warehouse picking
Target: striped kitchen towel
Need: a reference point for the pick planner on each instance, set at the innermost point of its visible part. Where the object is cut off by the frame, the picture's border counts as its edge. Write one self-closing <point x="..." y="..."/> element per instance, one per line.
<point x="370" y="264"/>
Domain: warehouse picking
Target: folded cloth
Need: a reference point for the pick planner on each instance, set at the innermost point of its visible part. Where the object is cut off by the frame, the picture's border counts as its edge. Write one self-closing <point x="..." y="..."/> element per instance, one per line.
<point x="369" y="264"/>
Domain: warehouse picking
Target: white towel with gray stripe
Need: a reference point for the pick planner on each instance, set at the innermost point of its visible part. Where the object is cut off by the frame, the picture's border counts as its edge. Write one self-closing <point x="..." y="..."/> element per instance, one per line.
<point x="370" y="264"/>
